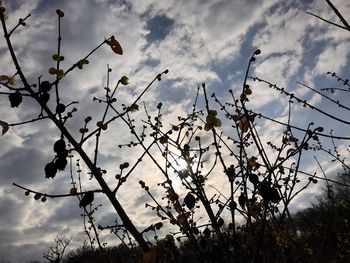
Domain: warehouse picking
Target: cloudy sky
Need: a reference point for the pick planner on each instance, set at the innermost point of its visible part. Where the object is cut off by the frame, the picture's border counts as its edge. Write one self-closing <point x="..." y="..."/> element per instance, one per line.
<point x="198" y="41"/>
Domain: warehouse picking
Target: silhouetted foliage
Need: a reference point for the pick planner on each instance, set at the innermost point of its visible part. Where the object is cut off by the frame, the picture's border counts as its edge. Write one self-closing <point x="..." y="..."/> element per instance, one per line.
<point x="325" y="226"/>
<point x="263" y="177"/>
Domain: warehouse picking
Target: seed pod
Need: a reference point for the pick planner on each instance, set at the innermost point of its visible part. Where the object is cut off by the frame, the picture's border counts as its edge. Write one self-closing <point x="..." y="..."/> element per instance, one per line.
<point x="233" y="205"/>
<point x="207" y="232"/>
<point x="50" y="170"/>
<point x="254" y="179"/>
<point x="15" y="99"/>
<point x="87" y="199"/>
<point x="45" y="86"/>
<point x="73" y="191"/>
<point x="88" y="119"/>
<point x="63" y="154"/>
<point x="220" y="222"/>
<point x="61" y="163"/>
<point x="274" y="195"/>
<point x="190" y="201"/>
<point x="59" y="146"/>
<point x="60" y="108"/>
<point x="264" y="189"/>
<point x="59" y="13"/>
<point x="37" y="196"/>
<point x="44" y="97"/>
<point x="242" y="200"/>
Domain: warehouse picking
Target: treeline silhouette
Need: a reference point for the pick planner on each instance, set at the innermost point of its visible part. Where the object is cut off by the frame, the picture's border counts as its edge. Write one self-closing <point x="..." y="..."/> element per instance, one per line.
<point x="320" y="233"/>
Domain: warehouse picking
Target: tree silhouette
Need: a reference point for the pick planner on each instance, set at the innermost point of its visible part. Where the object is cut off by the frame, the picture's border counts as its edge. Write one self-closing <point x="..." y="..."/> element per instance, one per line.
<point x="250" y="220"/>
<point x="56" y="252"/>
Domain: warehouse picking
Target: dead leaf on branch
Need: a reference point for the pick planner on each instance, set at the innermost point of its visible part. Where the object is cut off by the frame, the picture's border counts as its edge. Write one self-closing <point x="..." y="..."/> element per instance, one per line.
<point x="115" y="46"/>
<point x="5" y="127"/>
<point x="212" y="121"/>
<point x="10" y="80"/>
<point x="244" y="122"/>
<point x="133" y="108"/>
<point x="4" y="77"/>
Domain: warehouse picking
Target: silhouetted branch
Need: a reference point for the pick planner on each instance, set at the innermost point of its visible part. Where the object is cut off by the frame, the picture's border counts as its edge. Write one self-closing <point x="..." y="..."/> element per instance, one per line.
<point x="55" y="195"/>
<point x="324" y="96"/>
<point x="327" y="21"/>
<point x="336" y="11"/>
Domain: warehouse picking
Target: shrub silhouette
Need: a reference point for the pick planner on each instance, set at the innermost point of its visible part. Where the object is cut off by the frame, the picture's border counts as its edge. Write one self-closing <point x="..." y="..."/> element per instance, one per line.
<point x="251" y="222"/>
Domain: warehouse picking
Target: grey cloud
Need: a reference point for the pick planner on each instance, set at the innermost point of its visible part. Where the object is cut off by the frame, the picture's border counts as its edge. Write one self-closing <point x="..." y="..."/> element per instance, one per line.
<point x="199" y="35"/>
<point x="159" y="27"/>
<point x="24" y="164"/>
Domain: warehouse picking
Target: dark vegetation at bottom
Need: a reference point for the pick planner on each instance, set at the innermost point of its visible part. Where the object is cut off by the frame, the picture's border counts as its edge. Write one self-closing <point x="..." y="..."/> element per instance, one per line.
<point x="320" y="233"/>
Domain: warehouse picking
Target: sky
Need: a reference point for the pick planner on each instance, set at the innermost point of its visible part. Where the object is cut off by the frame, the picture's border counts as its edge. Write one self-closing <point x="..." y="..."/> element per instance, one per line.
<point x="199" y="41"/>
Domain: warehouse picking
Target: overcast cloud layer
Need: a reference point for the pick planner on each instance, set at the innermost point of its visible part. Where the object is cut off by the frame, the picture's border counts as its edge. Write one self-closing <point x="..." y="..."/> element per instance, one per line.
<point x="198" y="41"/>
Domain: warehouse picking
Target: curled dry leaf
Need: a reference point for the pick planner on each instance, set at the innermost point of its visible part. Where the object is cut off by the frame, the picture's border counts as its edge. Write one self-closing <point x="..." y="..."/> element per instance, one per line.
<point x="243" y="124"/>
<point x="4" y="77"/>
<point x="5" y="127"/>
<point x="115" y="46"/>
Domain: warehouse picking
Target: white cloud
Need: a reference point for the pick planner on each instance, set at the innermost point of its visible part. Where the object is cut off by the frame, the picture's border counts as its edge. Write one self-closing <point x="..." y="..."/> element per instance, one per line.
<point x="205" y="35"/>
<point x="332" y="59"/>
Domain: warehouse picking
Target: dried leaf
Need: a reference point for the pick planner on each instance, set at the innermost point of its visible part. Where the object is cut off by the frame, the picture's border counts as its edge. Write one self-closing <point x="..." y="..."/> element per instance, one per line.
<point x="114" y="44"/>
<point x="133" y="108"/>
<point x="4" y="77"/>
<point x="212" y="121"/>
<point x="5" y="127"/>
<point x="290" y="151"/>
<point x="244" y="124"/>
